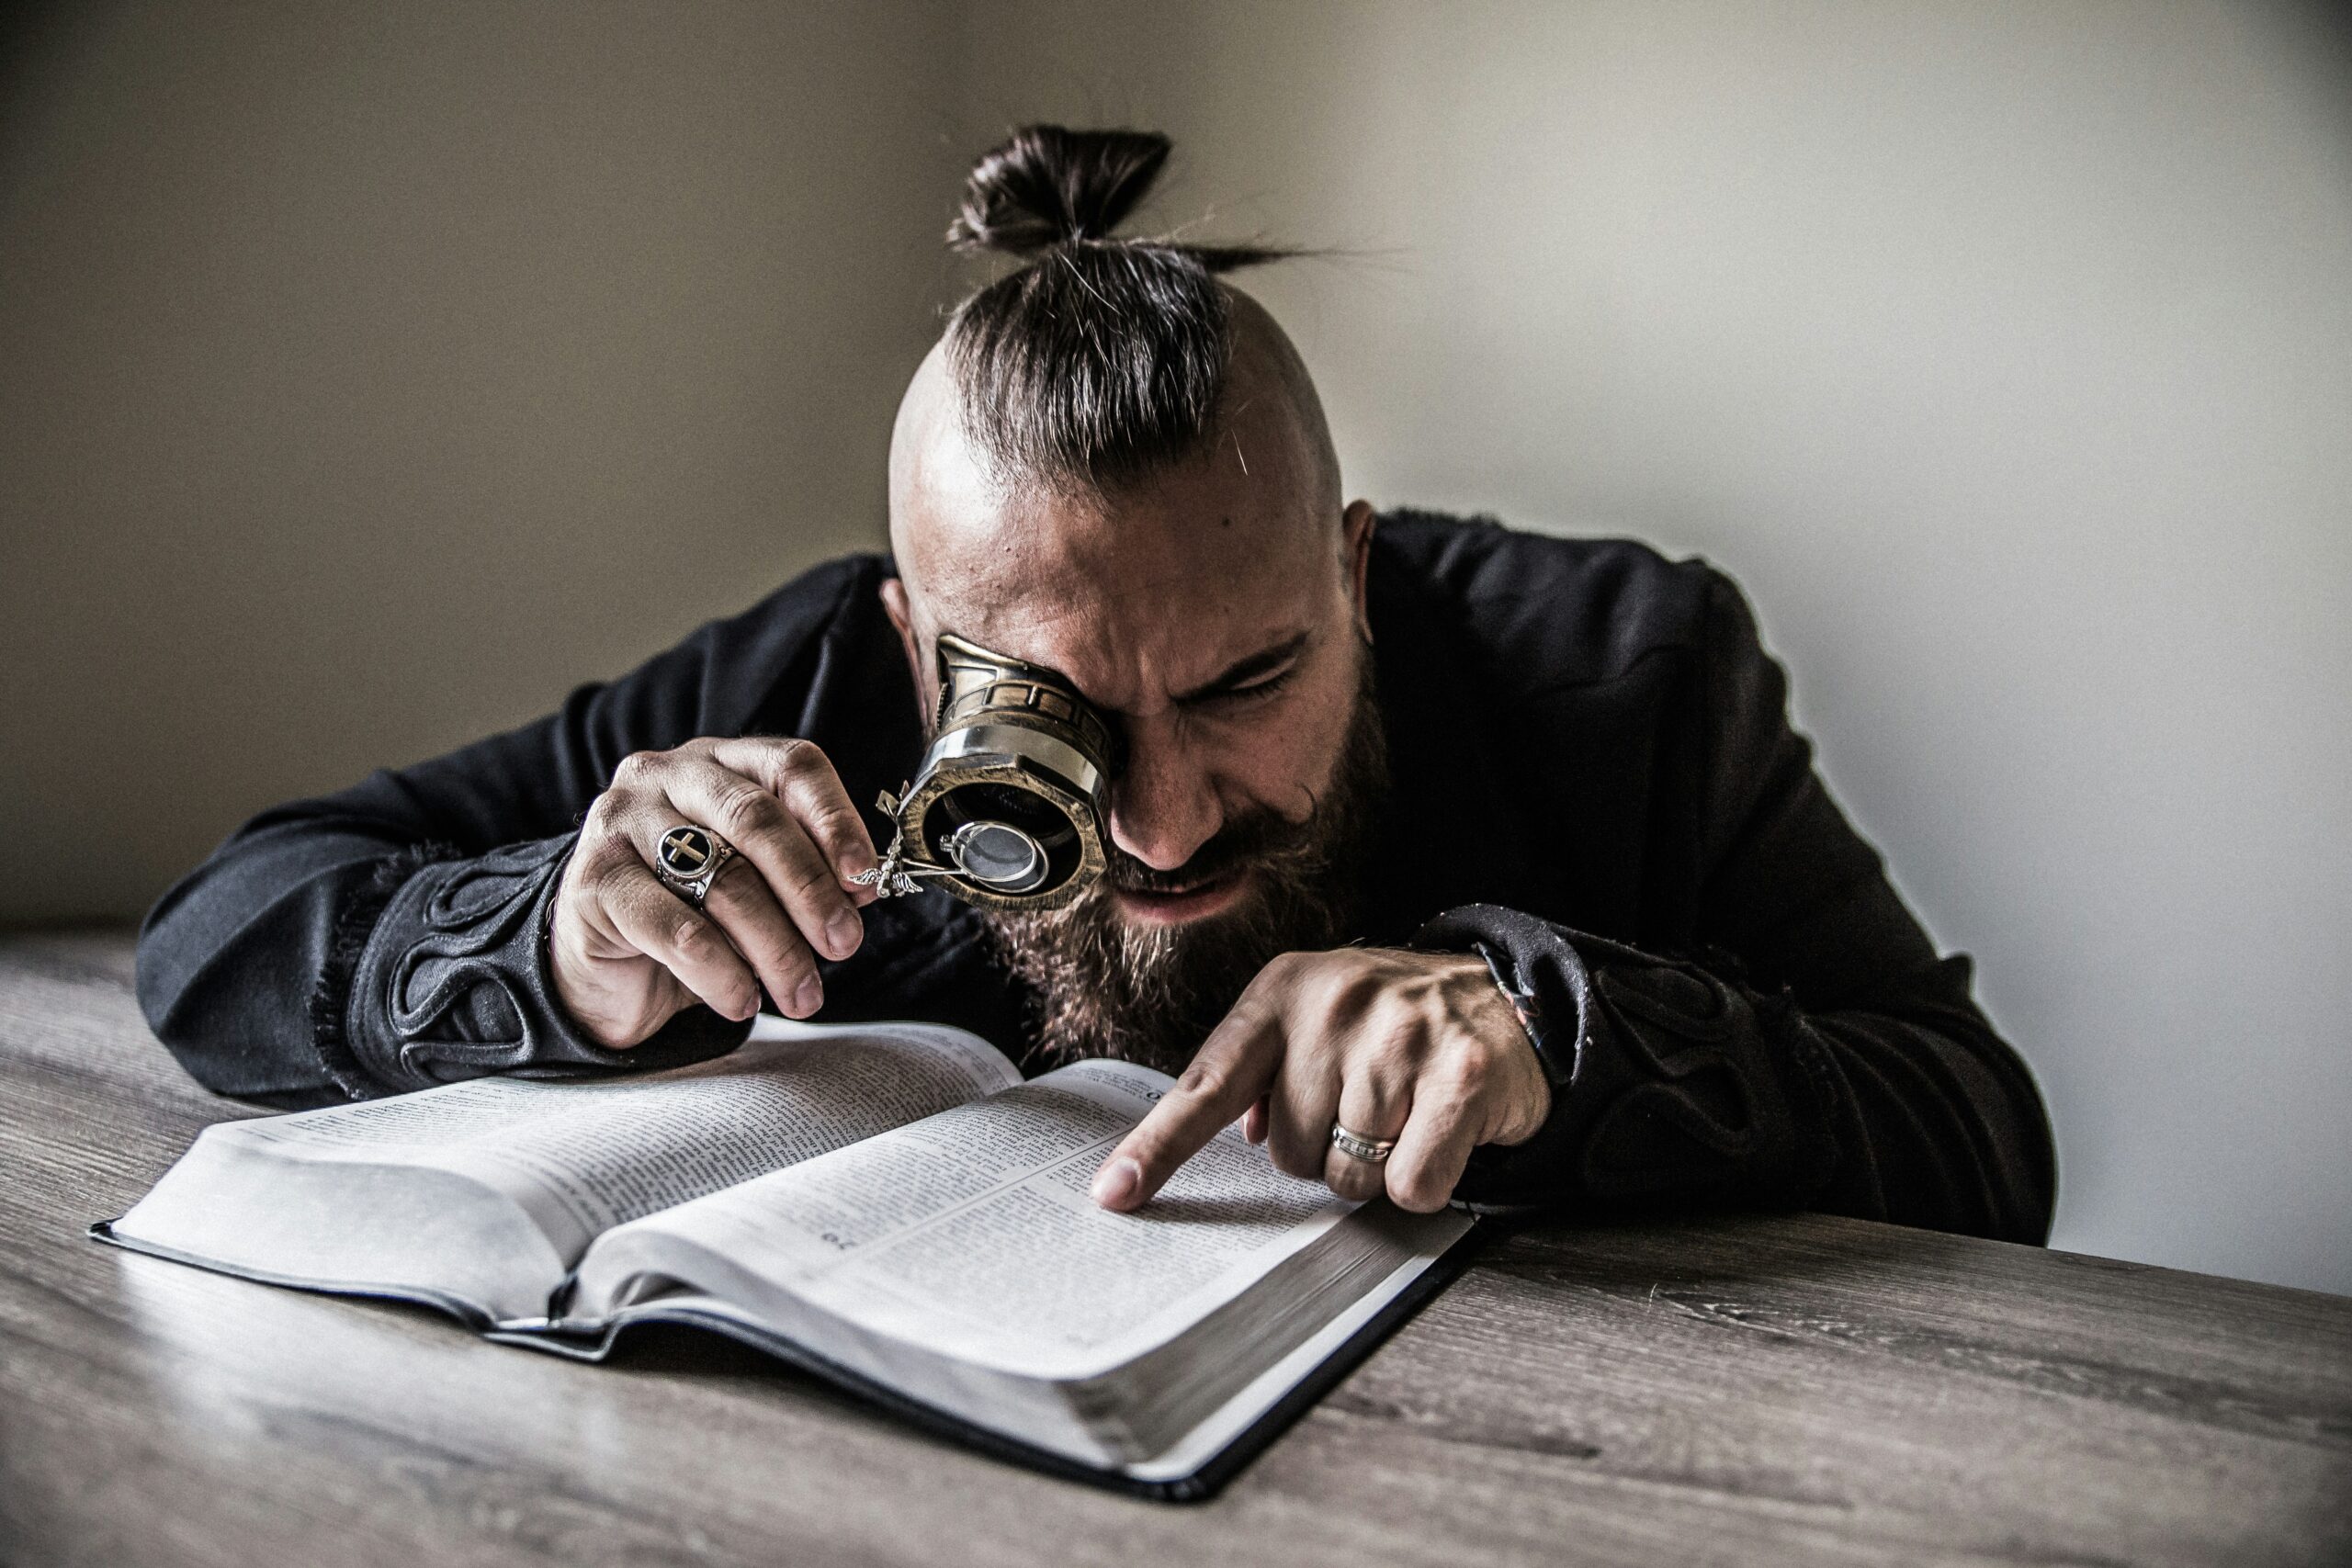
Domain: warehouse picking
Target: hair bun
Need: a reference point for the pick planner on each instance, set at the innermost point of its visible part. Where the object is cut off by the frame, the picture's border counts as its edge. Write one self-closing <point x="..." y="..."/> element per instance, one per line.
<point x="1047" y="186"/>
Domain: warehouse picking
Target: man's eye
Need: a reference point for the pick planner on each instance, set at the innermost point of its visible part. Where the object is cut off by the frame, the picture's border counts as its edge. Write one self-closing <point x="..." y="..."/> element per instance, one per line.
<point x="1259" y="691"/>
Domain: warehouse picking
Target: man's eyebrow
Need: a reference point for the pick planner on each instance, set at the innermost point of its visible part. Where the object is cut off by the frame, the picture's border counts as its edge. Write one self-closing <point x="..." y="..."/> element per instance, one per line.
<point x="1242" y="671"/>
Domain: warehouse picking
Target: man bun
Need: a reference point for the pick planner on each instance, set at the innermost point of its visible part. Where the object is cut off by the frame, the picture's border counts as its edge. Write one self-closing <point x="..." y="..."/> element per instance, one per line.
<point x="1047" y="186"/>
<point x="1099" y="360"/>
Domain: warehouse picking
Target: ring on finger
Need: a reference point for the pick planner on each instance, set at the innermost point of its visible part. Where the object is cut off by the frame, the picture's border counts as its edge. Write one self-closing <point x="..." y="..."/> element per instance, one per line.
<point x="689" y="860"/>
<point x="1355" y="1146"/>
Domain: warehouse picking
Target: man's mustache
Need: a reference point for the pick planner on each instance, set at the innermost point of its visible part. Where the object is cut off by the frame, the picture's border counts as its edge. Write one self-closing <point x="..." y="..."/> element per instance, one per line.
<point x="1249" y="840"/>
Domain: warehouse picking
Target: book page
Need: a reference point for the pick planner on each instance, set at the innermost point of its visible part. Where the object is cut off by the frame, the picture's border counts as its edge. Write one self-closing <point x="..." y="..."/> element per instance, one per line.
<point x="378" y="1191"/>
<point x="971" y="1233"/>
<point x="584" y="1156"/>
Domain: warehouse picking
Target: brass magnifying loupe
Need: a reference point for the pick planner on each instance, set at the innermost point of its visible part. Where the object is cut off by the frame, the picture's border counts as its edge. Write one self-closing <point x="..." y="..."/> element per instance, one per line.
<point x="1006" y="811"/>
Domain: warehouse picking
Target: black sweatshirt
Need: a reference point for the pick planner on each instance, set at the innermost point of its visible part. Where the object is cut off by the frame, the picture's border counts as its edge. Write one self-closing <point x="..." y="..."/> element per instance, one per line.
<point x="1594" y="782"/>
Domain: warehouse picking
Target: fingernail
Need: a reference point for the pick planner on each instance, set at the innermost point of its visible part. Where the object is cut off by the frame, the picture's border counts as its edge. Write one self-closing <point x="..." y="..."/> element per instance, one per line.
<point x="844" y="933"/>
<point x="809" y="998"/>
<point x="1117" y="1183"/>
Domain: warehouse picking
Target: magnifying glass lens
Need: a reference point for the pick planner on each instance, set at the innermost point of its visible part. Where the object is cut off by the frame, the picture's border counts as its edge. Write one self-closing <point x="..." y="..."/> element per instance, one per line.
<point x="998" y="855"/>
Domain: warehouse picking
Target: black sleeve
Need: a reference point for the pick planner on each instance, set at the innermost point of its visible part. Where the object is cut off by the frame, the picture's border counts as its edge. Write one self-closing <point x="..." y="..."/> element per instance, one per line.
<point x="391" y="937"/>
<point x="1810" y="1050"/>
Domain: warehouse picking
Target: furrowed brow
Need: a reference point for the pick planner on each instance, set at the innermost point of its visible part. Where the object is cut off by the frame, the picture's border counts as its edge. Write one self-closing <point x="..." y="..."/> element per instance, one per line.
<point x="1244" y="671"/>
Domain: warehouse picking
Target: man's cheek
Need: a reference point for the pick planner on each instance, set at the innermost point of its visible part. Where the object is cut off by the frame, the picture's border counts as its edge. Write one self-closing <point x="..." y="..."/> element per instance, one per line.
<point x="1288" y="767"/>
<point x="1320" y="734"/>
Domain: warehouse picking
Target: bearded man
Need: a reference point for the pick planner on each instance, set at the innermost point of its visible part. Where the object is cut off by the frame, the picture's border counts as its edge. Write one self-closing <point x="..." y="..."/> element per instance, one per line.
<point x="1457" y="863"/>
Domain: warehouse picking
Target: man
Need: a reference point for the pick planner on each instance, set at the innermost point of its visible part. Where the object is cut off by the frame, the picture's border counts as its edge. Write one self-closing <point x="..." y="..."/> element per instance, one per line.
<point x="1456" y="863"/>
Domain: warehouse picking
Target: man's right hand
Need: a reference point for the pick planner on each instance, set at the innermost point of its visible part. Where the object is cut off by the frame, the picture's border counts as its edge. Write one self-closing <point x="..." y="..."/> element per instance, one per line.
<point x="627" y="953"/>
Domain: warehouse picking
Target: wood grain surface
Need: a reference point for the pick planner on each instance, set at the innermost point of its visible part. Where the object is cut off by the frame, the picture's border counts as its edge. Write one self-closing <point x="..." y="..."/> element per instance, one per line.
<point x="1747" y="1391"/>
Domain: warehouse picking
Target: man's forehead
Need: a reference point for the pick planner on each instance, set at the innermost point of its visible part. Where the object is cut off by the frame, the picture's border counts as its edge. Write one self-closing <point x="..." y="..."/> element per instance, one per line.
<point x="1147" y="589"/>
<point x="1134" y="596"/>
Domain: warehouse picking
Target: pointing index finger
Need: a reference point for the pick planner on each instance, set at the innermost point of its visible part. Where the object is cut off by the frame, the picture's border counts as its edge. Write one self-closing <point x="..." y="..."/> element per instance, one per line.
<point x="1232" y="1068"/>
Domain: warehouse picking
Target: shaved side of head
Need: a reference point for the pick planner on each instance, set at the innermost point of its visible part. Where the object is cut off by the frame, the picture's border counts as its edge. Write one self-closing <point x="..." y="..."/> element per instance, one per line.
<point x="954" y="501"/>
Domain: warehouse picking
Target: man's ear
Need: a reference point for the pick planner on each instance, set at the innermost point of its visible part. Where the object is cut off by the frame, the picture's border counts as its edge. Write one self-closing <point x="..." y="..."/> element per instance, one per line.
<point x="1356" y="525"/>
<point x="901" y="611"/>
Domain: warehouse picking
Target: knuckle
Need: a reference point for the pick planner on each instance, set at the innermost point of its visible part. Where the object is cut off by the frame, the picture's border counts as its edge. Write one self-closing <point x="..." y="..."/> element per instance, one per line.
<point x="799" y="759"/>
<point x="1204" y="1079"/>
<point x="783" y="948"/>
<point x="610" y="877"/>
<point x="1446" y="1106"/>
<point x="1272" y="993"/>
<point x="1280" y="974"/>
<point x="837" y="825"/>
<point x="1396" y="1060"/>
<point x="806" y="879"/>
<point x="691" y="937"/>
<point x="745" y="812"/>
<point x="636" y="768"/>
<point x="1477" y="1073"/>
<point x="1416" y="1189"/>
<point x="1470" y="1073"/>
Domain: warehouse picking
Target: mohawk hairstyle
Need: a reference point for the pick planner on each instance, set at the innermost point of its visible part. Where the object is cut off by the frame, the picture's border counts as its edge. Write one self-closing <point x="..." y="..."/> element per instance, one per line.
<point x="1101" y="359"/>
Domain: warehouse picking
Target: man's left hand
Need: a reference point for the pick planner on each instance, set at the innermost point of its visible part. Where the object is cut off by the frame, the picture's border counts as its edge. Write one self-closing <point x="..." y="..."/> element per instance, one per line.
<point x="1419" y="1047"/>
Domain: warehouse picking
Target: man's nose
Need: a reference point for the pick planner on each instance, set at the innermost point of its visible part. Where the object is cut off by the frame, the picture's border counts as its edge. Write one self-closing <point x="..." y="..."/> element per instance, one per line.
<point x="1164" y="803"/>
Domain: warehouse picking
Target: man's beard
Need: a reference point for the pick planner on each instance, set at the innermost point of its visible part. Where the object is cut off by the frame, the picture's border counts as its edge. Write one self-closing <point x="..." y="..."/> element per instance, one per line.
<point x="1104" y="986"/>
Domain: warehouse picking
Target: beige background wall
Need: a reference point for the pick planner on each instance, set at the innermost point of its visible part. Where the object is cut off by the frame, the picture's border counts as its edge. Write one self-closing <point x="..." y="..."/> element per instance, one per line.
<point x="366" y="381"/>
<point x="370" y="374"/>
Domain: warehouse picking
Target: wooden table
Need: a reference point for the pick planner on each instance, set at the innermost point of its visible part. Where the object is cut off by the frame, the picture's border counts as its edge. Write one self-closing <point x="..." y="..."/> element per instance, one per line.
<point x="1788" y="1390"/>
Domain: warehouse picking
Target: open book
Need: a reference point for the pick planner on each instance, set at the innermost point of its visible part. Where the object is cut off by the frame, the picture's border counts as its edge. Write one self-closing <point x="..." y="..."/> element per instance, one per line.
<point x="889" y="1205"/>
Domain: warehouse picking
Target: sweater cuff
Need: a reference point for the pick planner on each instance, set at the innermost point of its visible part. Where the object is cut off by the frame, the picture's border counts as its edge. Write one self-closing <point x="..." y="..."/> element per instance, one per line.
<point x="1552" y="1009"/>
<point x="1669" y="1082"/>
<point x="453" y="980"/>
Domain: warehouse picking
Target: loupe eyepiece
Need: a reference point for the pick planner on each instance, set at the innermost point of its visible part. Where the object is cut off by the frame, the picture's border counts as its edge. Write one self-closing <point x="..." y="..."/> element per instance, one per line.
<point x="1007" y="809"/>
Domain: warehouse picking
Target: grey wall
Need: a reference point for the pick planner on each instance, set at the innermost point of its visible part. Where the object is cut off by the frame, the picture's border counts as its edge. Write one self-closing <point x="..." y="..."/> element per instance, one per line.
<point x="363" y="384"/>
<point x="370" y="374"/>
